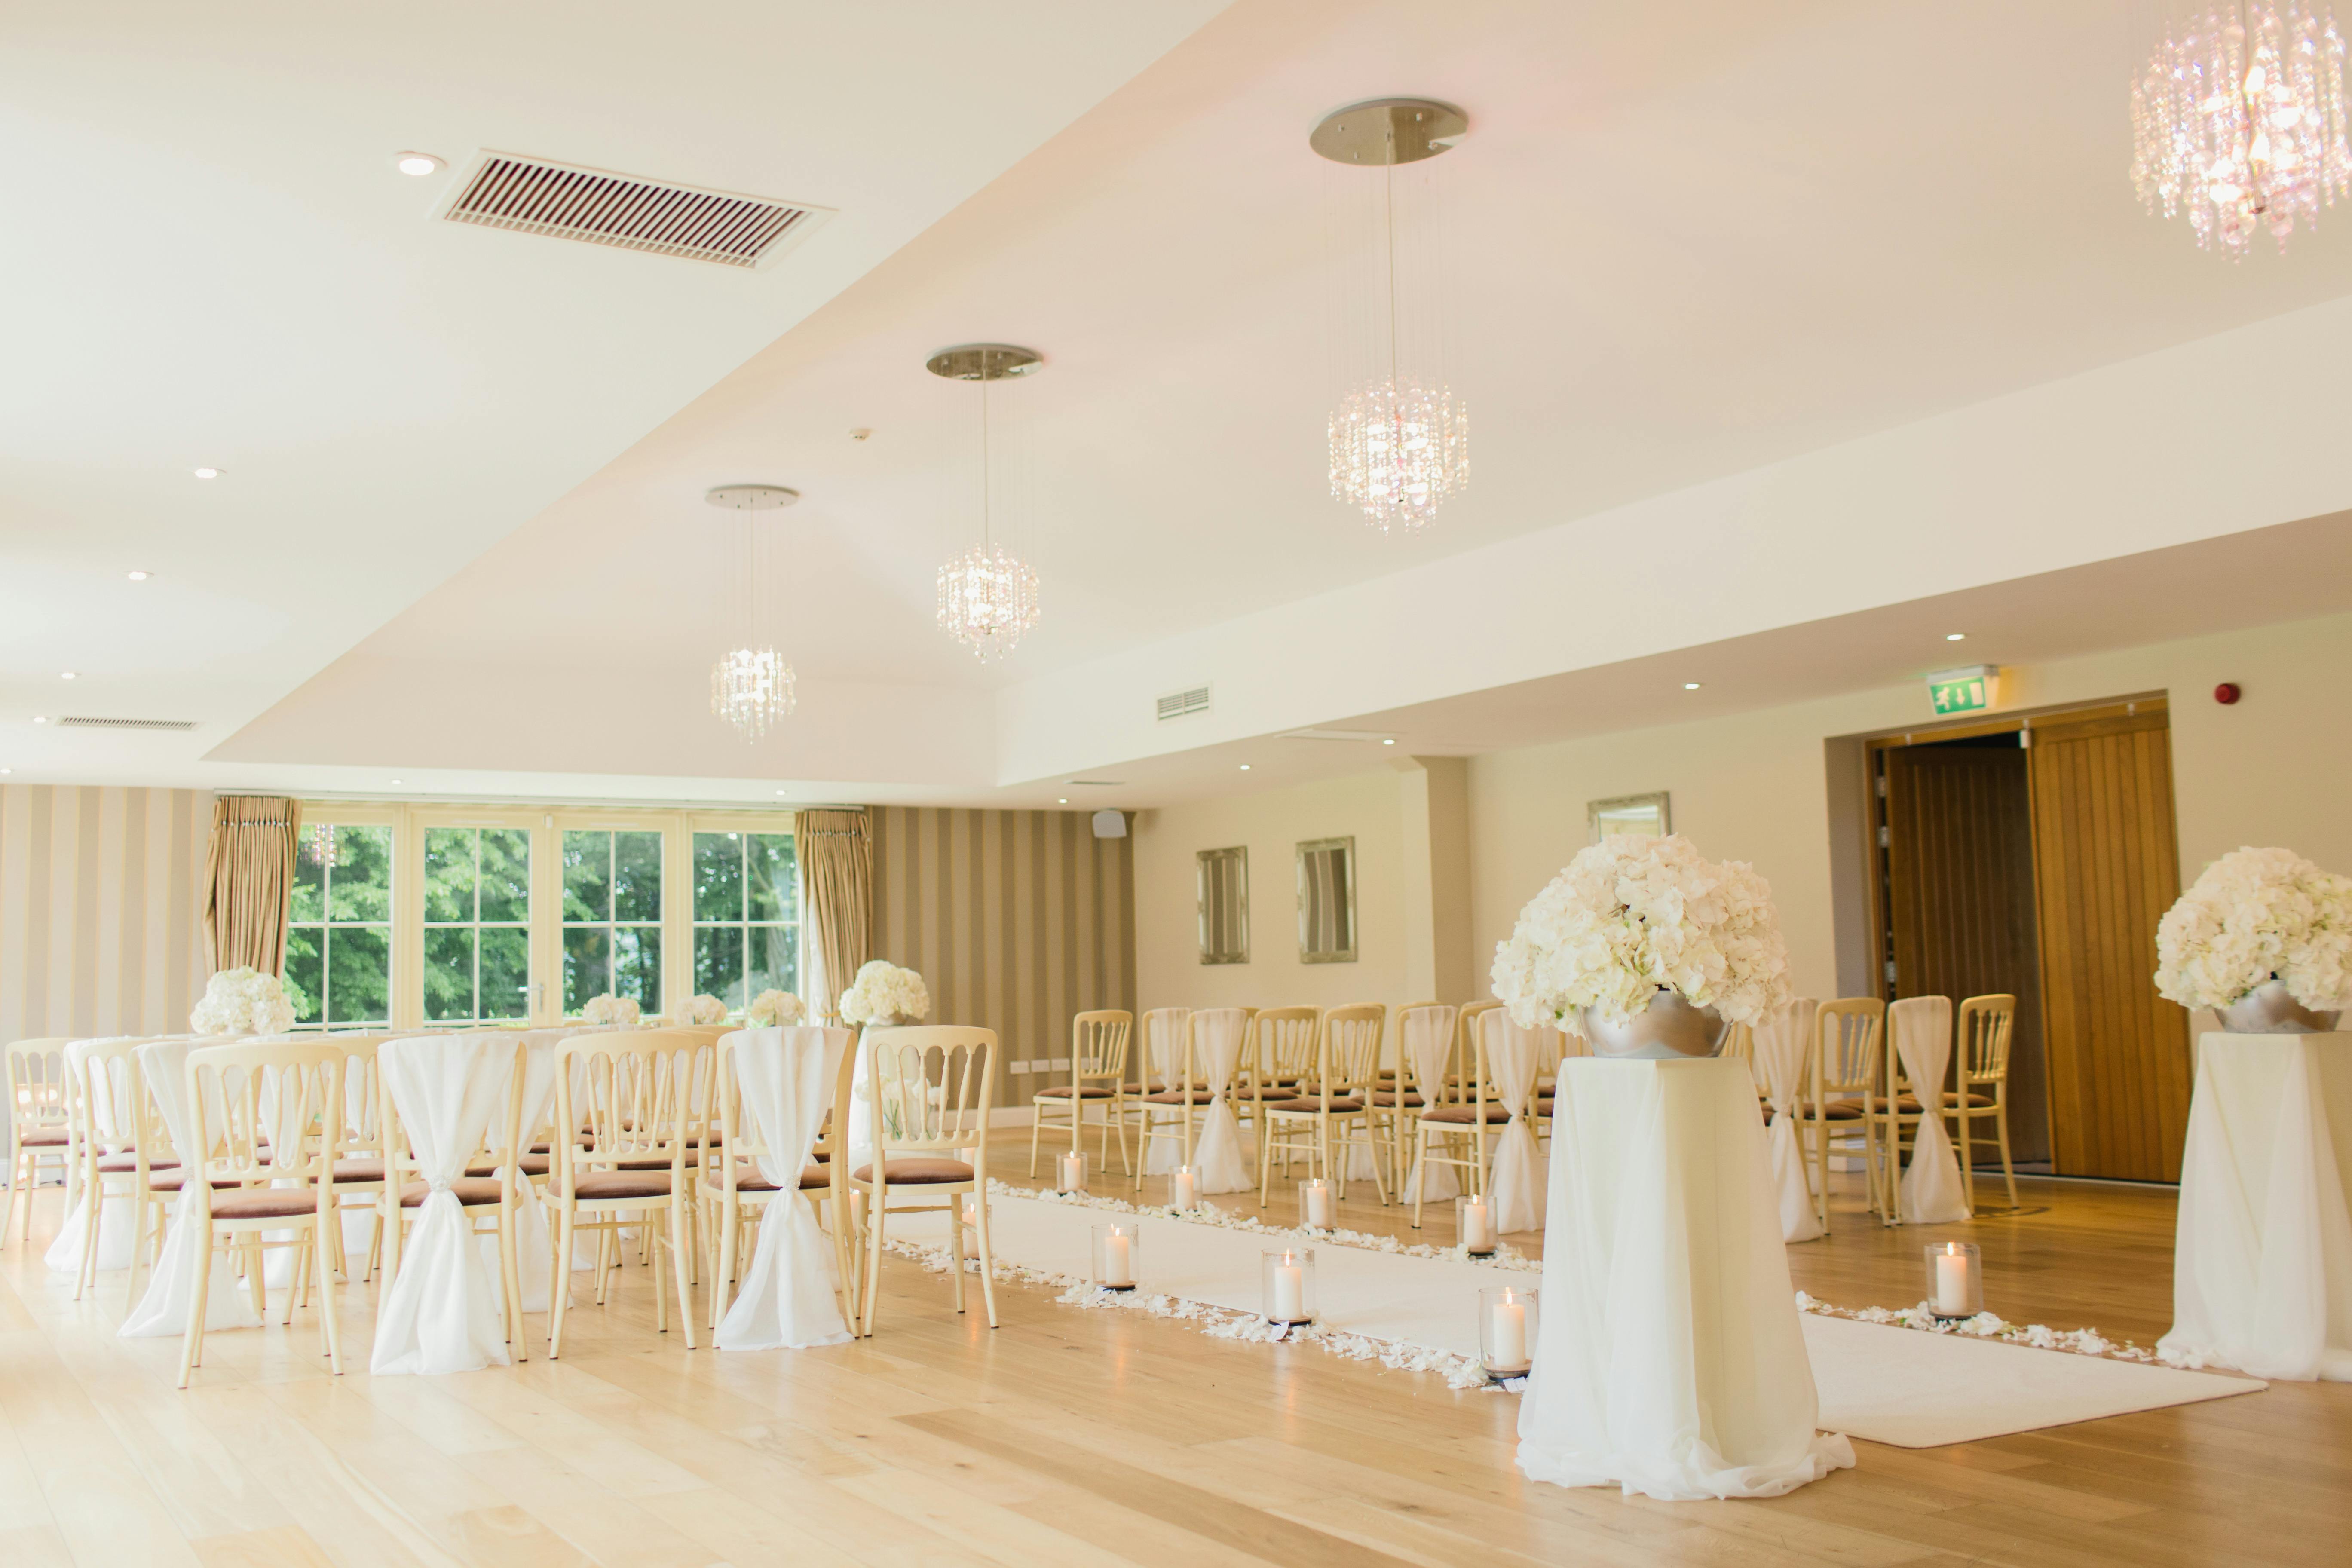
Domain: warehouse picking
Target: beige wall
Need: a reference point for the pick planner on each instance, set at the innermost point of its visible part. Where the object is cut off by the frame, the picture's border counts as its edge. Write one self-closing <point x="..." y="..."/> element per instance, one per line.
<point x="99" y="925"/>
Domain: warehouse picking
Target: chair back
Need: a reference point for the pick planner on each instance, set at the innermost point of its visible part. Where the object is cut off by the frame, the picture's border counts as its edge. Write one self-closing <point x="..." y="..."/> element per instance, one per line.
<point x="1349" y="1057"/>
<point x="1846" y="1046"/>
<point x="1481" y="1085"/>
<point x="1914" y="1019"/>
<point x="1986" y="1026"/>
<point x="1098" y="1042"/>
<point x="40" y="1088"/>
<point x="1466" y="1047"/>
<point x="502" y="1137"/>
<point x="1283" y="1056"/>
<point x="740" y="1138"/>
<point x="105" y="1091"/>
<point x="1417" y="1022"/>
<point x="932" y="1085"/>
<point x="272" y="1111"/>
<point x="363" y="1124"/>
<point x="1167" y="1036"/>
<point x="630" y="1094"/>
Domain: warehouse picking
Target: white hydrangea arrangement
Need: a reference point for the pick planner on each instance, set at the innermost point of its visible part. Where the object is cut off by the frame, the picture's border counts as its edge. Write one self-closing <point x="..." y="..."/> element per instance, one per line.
<point x="620" y="1012"/>
<point x="705" y="1010"/>
<point x="2253" y="916"/>
<point x="243" y="1001"/>
<point x="775" y="1010"/>
<point x="883" y="993"/>
<point x="1632" y="916"/>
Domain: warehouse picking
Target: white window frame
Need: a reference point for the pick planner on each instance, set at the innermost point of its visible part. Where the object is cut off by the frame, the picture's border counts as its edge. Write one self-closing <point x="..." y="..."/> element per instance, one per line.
<point x="341" y="814"/>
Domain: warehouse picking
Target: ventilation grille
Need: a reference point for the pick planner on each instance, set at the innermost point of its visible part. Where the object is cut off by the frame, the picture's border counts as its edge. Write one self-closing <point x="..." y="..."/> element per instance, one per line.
<point x="1097" y="784"/>
<point x="72" y="722"/>
<point x="536" y="197"/>
<point x="1180" y="704"/>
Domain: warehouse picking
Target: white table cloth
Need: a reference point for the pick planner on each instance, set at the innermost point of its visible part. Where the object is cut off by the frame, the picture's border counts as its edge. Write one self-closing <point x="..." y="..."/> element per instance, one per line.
<point x="444" y="1311"/>
<point x="2261" y="1267"/>
<point x="110" y="1118"/>
<point x="1670" y="1360"/>
<point x="1217" y="1037"/>
<point x="1164" y="1065"/>
<point x="786" y="1298"/>
<point x="1516" y="1187"/>
<point x="1931" y="1192"/>
<point x="162" y="1308"/>
<point x="1784" y="1041"/>
<point x="1425" y="1042"/>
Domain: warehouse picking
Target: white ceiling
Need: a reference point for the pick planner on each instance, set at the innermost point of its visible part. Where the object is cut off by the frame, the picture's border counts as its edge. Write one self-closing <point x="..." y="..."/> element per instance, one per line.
<point x="464" y="544"/>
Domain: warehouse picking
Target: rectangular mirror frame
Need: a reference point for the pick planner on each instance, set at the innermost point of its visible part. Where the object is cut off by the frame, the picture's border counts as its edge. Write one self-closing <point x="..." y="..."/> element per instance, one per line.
<point x="1308" y="850"/>
<point x="1626" y="805"/>
<point x="1235" y="863"/>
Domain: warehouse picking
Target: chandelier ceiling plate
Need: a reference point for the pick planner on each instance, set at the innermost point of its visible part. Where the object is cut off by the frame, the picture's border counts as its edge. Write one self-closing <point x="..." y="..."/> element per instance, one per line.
<point x="984" y="362"/>
<point x="751" y="498"/>
<point x="1386" y="130"/>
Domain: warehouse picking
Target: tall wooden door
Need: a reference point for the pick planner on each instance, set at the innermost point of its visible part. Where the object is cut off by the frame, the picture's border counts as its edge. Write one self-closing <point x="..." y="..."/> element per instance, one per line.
<point x="2107" y="866"/>
<point x="1960" y="898"/>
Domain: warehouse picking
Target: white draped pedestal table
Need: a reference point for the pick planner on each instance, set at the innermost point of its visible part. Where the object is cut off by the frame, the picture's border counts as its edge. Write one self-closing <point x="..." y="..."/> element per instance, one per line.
<point x="2262" y="1265"/>
<point x="1671" y="1359"/>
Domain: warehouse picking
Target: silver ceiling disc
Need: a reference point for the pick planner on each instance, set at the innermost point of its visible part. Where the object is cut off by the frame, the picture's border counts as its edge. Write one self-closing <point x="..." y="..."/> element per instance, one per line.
<point x="1384" y="130"/>
<point x="751" y="498"/>
<point x="984" y="362"/>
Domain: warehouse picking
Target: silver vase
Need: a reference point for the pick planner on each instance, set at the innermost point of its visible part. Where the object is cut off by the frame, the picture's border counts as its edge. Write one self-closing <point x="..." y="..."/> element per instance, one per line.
<point x="1669" y="1029"/>
<point x="2270" y="1009"/>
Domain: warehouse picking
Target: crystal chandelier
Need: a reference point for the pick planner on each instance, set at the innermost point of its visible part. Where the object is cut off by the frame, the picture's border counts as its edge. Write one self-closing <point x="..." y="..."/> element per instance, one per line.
<point x="751" y="687"/>
<point x="988" y="596"/>
<point x="1399" y="446"/>
<point x="2239" y="118"/>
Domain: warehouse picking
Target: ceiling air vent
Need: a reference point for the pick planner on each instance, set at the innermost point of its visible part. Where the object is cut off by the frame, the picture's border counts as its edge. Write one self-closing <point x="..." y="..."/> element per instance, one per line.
<point x="1182" y="704"/>
<point x="73" y="722"/>
<point x="537" y="196"/>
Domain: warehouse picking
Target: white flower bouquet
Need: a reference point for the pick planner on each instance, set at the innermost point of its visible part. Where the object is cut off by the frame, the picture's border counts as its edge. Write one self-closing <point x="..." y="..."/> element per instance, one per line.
<point x="2252" y="917"/>
<point x="705" y="1010"/>
<point x="775" y="1010"/>
<point x="883" y="993"/>
<point x="1633" y="916"/>
<point x="243" y="1002"/>
<point x="620" y="1012"/>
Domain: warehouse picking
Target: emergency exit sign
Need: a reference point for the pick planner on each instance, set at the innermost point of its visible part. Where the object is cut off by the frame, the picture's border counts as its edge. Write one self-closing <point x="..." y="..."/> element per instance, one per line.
<point x="1969" y="690"/>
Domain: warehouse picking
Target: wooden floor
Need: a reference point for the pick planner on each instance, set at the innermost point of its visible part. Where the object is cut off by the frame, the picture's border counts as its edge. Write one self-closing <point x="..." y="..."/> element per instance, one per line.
<point x="1084" y="1438"/>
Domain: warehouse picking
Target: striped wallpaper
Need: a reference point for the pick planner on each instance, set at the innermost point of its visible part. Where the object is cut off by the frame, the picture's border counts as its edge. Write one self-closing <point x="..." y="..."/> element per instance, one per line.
<point x="99" y="925"/>
<point x="1016" y="919"/>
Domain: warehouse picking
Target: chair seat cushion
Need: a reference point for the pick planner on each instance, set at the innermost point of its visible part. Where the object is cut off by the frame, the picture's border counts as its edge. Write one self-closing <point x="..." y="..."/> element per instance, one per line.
<point x="1464" y="1115"/>
<point x="748" y="1180"/>
<point x="1979" y="1101"/>
<point x="1833" y="1111"/>
<point x="1272" y="1092"/>
<point x="364" y="1168"/>
<point x="644" y="1163"/>
<point x="1062" y="1091"/>
<point x="592" y="1186"/>
<point x="264" y="1203"/>
<point x="1312" y="1105"/>
<point x="1905" y="1106"/>
<point x="1388" y="1097"/>
<point x="115" y="1164"/>
<point x="44" y="1138"/>
<point x="169" y="1182"/>
<point x="1179" y="1097"/>
<point x="528" y="1164"/>
<point x="916" y="1170"/>
<point x="473" y="1192"/>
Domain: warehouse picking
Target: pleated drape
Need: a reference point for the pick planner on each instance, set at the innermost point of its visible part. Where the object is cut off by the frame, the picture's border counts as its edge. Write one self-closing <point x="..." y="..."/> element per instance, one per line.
<point x="836" y="856"/>
<point x="248" y="876"/>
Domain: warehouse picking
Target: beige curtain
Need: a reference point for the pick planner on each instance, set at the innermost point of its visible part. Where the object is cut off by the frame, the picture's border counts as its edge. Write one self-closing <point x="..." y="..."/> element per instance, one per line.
<point x="837" y="878"/>
<point x="248" y="876"/>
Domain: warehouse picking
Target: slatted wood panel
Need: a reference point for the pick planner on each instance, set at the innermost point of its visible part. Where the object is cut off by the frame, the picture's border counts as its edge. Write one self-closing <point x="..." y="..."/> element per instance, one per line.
<point x="2107" y="866"/>
<point x="1960" y="865"/>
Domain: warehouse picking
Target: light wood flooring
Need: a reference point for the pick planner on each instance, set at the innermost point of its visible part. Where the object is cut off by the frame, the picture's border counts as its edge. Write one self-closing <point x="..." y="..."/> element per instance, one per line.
<point x="1084" y="1438"/>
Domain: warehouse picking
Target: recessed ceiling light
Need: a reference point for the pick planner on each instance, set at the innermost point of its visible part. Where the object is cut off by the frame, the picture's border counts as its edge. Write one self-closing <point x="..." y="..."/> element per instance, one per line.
<point x="418" y="165"/>
<point x="40" y="719"/>
<point x="7" y="770"/>
<point x="138" y="576"/>
<point x="1064" y="801"/>
<point x="1244" y="767"/>
<point x="780" y="792"/>
<point x="395" y="783"/>
<point x="208" y="473"/>
<point x="1956" y="637"/>
<point x="1390" y="742"/>
<point x="64" y="675"/>
<point x="1690" y="686"/>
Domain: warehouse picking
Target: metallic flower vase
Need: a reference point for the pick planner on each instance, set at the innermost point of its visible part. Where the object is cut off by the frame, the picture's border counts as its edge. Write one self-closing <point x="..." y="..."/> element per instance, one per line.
<point x="2270" y="1009"/>
<point x="1669" y="1029"/>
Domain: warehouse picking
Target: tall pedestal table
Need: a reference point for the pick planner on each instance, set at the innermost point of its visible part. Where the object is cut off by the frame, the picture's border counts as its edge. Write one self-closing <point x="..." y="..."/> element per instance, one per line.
<point x="2261" y="1264"/>
<point x="1671" y="1359"/>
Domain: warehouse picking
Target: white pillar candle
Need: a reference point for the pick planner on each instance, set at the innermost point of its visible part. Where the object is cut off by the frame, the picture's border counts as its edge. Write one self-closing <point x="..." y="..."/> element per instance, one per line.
<point x="1506" y="1332"/>
<point x="1073" y="1172"/>
<point x="1951" y="1284"/>
<point x="1322" y="1204"/>
<point x="1289" y="1303"/>
<point x="1118" y="1259"/>
<point x="1477" y="1225"/>
<point x="1186" y="1192"/>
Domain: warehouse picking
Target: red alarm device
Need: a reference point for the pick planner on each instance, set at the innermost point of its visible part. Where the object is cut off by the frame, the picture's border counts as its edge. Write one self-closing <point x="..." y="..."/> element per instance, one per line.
<point x="2227" y="693"/>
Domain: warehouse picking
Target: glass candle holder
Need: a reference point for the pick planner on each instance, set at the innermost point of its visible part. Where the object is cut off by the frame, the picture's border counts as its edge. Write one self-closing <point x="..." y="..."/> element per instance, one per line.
<point x="1474" y="1222"/>
<point x="1184" y="1189"/>
<point x="1289" y="1273"/>
<point x="1115" y="1256"/>
<point x="1073" y="1168"/>
<point x="1506" y="1329"/>
<point x="1318" y="1205"/>
<point x="1954" y="1280"/>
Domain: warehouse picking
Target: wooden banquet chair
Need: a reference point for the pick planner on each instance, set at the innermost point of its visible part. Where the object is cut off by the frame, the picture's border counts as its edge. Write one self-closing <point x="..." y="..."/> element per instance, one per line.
<point x="735" y="1195"/>
<point x="1464" y="1113"/>
<point x="1173" y="1098"/>
<point x="942" y="1079"/>
<point x="1401" y="1093"/>
<point x="1099" y="1045"/>
<point x="1897" y="1108"/>
<point x="1277" y="1062"/>
<point x="1329" y="1112"/>
<point x="1987" y="1024"/>
<point x="487" y="1191"/>
<point x="105" y="1095"/>
<point x="1840" y="1080"/>
<point x="40" y="1124"/>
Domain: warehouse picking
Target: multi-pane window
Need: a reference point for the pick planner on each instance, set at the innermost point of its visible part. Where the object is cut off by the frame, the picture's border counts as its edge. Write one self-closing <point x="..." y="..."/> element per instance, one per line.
<point x="339" y="930"/>
<point x="477" y="924"/>
<point x="612" y="916"/>
<point x="746" y="913"/>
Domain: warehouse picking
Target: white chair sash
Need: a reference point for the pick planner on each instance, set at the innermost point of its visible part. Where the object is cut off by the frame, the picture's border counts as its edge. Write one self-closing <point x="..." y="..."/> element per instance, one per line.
<point x="109" y="1123"/>
<point x="444" y="1311"/>
<point x="787" y="1301"/>
<point x="1782" y="1037"/>
<point x="163" y="1309"/>
<point x="1163" y="1064"/>
<point x="1217" y="1036"/>
<point x="1931" y="1191"/>
<point x="1516" y="1190"/>
<point x="1425" y="1040"/>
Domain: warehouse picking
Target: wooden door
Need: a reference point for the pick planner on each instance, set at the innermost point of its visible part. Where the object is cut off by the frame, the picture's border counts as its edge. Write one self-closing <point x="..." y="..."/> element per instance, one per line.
<point x="1960" y="898"/>
<point x="2106" y="867"/>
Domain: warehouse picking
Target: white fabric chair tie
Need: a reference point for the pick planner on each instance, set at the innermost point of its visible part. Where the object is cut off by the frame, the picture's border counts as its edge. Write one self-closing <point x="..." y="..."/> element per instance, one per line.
<point x="1782" y="1040"/>
<point x="445" y="1310"/>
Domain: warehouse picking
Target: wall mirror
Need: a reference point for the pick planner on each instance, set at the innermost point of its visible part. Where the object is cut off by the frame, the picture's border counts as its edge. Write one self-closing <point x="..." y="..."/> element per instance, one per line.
<point x="1224" y="905"/>
<point x="1327" y="901"/>
<point x="1645" y="814"/>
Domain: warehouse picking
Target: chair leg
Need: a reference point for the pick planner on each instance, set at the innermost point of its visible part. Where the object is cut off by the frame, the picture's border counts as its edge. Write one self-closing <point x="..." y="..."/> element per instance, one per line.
<point x="876" y="1219"/>
<point x="87" y="1275"/>
<point x="559" y="1294"/>
<point x="510" y="1271"/>
<point x="191" y="1344"/>
<point x="723" y="1274"/>
<point x="1968" y="1157"/>
<point x="955" y="1249"/>
<point x="2001" y="1121"/>
<point x="679" y="1227"/>
<point x="1419" y="1180"/>
<point x="1037" y="1131"/>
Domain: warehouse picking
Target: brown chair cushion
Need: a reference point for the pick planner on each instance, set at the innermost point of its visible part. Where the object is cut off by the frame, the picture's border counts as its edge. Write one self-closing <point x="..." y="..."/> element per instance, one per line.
<point x="748" y="1180"/>
<point x="1464" y="1114"/>
<point x="1179" y="1096"/>
<point x="366" y="1169"/>
<point x="1272" y="1092"/>
<point x="473" y="1192"/>
<point x="916" y="1170"/>
<point x="1981" y="1101"/>
<point x="1906" y="1106"/>
<point x="169" y="1182"/>
<point x="1062" y="1091"/>
<point x="264" y="1203"/>
<point x="1833" y="1110"/>
<point x="1305" y="1105"/>
<point x="115" y="1164"/>
<point x="1388" y="1097"/>
<point x="644" y="1163"/>
<point x="44" y="1138"/>
<point x="529" y="1164"/>
<point x="592" y="1185"/>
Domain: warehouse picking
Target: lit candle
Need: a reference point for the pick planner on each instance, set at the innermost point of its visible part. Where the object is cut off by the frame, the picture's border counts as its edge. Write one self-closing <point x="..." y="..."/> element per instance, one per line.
<point x="1952" y="1282"/>
<point x="1321" y="1203"/>
<point x="1073" y="1172"/>
<point x="1289" y="1303"/>
<point x="1119" y="1260"/>
<point x="1506" y="1334"/>
<point x="1477" y="1225"/>
<point x="1187" y="1188"/>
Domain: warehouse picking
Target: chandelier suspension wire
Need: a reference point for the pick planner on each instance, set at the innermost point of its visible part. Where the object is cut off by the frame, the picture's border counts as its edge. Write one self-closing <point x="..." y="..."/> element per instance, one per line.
<point x="751" y="686"/>
<point x="988" y="596"/>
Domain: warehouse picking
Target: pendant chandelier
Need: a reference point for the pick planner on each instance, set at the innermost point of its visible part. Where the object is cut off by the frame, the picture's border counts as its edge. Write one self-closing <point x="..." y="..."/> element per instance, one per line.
<point x="752" y="688"/>
<point x="2240" y="119"/>
<point x="988" y="596"/>
<point x="1399" y="445"/>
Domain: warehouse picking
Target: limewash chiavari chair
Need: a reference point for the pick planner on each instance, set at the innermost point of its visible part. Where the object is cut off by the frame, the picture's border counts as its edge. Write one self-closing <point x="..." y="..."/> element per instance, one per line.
<point x="1277" y="1063"/>
<point x="105" y="1093"/>
<point x="360" y="1174"/>
<point x="931" y="1087"/>
<point x="279" y="1108"/>
<point x="1400" y="1092"/>
<point x="1986" y="1026"/>
<point x="1840" y="1080"/>
<point x="1098" y="1044"/>
<point x="1896" y="1113"/>
<point x="736" y="1196"/>
<point x="1330" y="1114"/>
<point x="1163" y="1043"/>
<point x="632" y="1095"/>
<point x="40" y="1121"/>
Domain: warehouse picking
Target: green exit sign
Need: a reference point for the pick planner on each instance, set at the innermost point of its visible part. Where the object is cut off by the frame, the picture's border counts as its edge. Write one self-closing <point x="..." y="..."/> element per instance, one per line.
<point x="1969" y="690"/>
